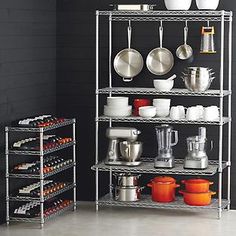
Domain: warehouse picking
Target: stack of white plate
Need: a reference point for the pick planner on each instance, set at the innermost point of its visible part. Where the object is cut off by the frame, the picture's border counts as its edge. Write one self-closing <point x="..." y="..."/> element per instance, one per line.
<point x="117" y="107"/>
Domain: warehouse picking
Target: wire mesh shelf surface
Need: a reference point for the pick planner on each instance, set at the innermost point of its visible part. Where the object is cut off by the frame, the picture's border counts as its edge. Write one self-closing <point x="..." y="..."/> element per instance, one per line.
<point x="146" y="202"/>
<point x="139" y="119"/>
<point x="167" y="15"/>
<point x="37" y="153"/>
<point x="153" y="91"/>
<point x="44" y="129"/>
<point x="147" y="167"/>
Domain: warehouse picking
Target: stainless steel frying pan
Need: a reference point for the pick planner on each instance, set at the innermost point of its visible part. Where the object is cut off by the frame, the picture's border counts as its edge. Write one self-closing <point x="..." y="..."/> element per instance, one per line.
<point x="129" y="62"/>
<point x="160" y="60"/>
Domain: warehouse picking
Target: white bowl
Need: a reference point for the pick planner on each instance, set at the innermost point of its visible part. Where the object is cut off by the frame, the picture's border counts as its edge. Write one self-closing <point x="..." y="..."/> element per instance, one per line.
<point x="117" y="102"/>
<point x="161" y="102"/>
<point x="147" y="111"/>
<point x="163" y="85"/>
<point x="117" y="112"/>
<point x="162" y="112"/>
<point x="207" y="4"/>
<point x="178" y="4"/>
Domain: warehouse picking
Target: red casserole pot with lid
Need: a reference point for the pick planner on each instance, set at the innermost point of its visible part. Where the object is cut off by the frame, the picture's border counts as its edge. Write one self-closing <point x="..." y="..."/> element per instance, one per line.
<point x="163" y="189"/>
<point x="197" y="185"/>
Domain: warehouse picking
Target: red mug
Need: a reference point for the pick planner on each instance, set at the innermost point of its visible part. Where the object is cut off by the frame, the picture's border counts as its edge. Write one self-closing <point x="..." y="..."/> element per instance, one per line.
<point x="140" y="102"/>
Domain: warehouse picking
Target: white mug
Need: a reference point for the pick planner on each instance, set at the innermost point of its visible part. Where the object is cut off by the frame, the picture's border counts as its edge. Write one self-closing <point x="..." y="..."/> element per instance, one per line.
<point x="162" y="111"/>
<point x="182" y="111"/>
<point x="200" y="110"/>
<point x="175" y="113"/>
<point x="192" y="113"/>
<point x="211" y="113"/>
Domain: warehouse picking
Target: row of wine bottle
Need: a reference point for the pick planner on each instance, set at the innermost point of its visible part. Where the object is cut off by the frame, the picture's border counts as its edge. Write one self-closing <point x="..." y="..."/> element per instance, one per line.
<point x="32" y="209"/>
<point x="49" y="142"/>
<point x="40" y="121"/>
<point x="50" y="164"/>
<point x="49" y="187"/>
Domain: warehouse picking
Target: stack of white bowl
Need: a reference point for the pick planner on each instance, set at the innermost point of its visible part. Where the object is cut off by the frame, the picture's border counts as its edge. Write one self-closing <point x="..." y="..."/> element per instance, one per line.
<point x="162" y="107"/>
<point x="117" y="107"/>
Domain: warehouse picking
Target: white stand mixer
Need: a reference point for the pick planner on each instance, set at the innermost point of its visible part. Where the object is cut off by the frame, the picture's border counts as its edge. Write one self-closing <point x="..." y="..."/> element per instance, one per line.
<point x="122" y="152"/>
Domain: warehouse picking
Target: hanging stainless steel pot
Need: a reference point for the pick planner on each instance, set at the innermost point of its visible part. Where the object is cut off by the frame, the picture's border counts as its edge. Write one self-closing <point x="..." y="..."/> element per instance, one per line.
<point x="129" y="62"/>
<point x="160" y="60"/>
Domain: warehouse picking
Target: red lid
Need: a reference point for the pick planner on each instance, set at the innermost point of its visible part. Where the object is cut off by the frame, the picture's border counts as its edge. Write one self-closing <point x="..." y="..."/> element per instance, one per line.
<point x="164" y="180"/>
<point x="197" y="181"/>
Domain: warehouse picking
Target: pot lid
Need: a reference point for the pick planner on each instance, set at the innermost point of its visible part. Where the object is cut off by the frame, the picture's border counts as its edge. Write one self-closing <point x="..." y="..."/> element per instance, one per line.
<point x="196" y="181"/>
<point x="164" y="180"/>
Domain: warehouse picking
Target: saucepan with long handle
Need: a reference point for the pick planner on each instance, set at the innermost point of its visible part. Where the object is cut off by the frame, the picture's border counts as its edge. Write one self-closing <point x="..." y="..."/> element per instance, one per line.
<point x="129" y="62"/>
<point x="160" y="60"/>
<point x="184" y="52"/>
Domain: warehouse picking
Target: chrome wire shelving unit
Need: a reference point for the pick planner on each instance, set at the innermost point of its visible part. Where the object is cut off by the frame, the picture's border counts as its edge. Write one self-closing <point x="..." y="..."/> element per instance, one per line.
<point x="41" y="176"/>
<point x="224" y="18"/>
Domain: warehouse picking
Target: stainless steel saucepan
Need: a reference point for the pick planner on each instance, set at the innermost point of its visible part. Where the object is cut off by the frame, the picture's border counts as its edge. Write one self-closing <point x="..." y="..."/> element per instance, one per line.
<point x="128" y="194"/>
<point x="184" y="51"/>
<point x="126" y="179"/>
<point x="129" y="62"/>
<point x="160" y="60"/>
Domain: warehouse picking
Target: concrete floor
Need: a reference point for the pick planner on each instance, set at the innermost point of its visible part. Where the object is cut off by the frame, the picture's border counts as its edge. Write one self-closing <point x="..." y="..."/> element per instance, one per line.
<point x="129" y="222"/>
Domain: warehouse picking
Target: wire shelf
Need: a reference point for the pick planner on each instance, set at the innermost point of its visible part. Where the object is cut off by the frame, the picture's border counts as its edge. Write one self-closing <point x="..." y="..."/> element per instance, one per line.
<point x="169" y="18"/>
<point x="37" y="219"/>
<point x="44" y="129"/>
<point x="138" y="119"/>
<point x="146" y="202"/>
<point x="29" y="176"/>
<point x="153" y="91"/>
<point x="45" y="152"/>
<point x="148" y="168"/>
<point x="26" y="199"/>
<point x="167" y="15"/>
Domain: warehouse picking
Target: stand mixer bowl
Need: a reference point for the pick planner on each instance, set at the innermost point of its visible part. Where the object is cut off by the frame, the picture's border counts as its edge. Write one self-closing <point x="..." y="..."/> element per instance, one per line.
<point x="131" y="151"/>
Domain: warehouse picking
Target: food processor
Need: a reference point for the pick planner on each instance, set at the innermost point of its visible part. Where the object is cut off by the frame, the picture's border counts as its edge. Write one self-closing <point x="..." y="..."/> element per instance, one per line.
<point x="197" y="157"/>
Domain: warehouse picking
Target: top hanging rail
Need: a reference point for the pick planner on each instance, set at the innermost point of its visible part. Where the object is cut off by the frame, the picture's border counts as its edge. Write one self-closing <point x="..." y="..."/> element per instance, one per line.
<point x="167" y="15"/>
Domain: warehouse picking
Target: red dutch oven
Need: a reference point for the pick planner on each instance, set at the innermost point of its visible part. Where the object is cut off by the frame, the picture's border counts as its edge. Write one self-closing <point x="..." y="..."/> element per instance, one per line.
<point x="163" y="189"/>
<point x="197" y="185"/>
<point x="197" y="199"/>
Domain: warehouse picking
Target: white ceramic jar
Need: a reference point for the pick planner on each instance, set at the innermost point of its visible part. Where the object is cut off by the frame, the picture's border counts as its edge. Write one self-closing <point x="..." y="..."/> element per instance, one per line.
<point x="174" y="5"/>
<point x="207" y="4"/>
